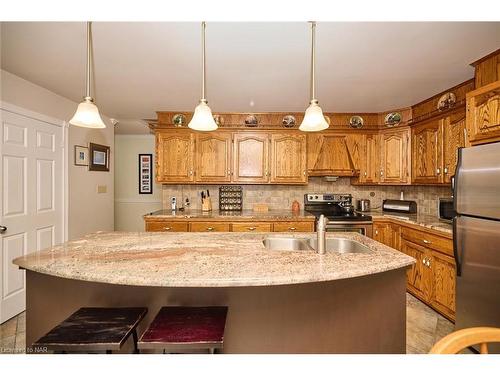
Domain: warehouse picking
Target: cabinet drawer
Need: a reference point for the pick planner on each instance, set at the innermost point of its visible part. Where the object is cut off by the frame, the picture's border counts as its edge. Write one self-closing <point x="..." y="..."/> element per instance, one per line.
<point x="252" y="227"/>
<point x="166" y="226"/>
<point x="204" y="226"/>
<point x="438" y="243"/>
<point x="294" y="226"/>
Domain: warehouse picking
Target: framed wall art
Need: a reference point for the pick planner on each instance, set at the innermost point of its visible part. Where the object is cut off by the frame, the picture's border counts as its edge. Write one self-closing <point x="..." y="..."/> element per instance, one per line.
<point x="81" y="155"/>
<point x="99" y="157"/>
<point x="145" y="173"/>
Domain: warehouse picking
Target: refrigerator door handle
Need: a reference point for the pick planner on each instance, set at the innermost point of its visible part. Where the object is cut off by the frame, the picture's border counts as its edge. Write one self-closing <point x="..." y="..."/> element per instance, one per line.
<point x="455" y="247"/>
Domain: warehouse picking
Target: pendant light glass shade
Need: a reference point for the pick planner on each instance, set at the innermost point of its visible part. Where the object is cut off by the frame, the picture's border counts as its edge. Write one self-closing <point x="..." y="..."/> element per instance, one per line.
<point x="314" y="120"/>
<point x="87" y="116"/>
<point x="203" y="119"/>
<point x="87" y="113"/>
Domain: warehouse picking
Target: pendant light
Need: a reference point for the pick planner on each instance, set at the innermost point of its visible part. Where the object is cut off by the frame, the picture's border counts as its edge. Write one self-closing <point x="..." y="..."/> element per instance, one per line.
<point x="87" y="113"/>
<point x="314" y="120"/>
<point x="202" y="117"/>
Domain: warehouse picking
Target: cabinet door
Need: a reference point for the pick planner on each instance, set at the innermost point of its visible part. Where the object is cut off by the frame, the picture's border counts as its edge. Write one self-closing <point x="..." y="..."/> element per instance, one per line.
<point x="453" y="139"/>
<point x="213" y="157"/>
<point x="328" y="154"/>
<point x="382" y="233"/>
<point x="443" y="284"/>
<point x="251" y="157"/>
<point x="288" y="158"/>
<point x="427" y="152"/>
<point x="174" y="161"/>
<point x="370" y="160"/>
<point x="418" y="278"/>
<point x="206" y="226"/>
<point x="395" y="156"/>
<point x="483" y="114"/>
<point x="355" y="147"/>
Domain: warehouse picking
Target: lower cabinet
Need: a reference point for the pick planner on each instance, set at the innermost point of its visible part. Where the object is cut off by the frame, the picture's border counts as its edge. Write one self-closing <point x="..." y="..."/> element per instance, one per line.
<point x="432" y="278"/>
<point x="159" y="225"/>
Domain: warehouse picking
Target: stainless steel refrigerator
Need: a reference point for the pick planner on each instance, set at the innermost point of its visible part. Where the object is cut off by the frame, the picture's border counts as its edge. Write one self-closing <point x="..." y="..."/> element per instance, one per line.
<point x="476" y="237"/>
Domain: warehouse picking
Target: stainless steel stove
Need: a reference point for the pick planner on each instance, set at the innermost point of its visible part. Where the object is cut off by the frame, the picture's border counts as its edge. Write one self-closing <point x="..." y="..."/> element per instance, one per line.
<point x="339" y="211"/>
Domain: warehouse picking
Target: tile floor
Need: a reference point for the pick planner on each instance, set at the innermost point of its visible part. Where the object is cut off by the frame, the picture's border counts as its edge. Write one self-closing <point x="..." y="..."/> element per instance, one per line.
<point x="423" y="329"/>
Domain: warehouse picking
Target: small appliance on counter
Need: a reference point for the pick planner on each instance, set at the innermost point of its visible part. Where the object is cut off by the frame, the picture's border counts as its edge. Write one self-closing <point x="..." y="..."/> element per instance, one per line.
<point x="446" y="210"/>
<point x="363" y="205"/>
<point x="230" y="198"/>
<point x="401" y="206"/>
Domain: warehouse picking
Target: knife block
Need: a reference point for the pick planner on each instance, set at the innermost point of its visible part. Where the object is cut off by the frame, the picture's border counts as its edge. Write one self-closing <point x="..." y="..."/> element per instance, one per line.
<point x="206" y="204"/>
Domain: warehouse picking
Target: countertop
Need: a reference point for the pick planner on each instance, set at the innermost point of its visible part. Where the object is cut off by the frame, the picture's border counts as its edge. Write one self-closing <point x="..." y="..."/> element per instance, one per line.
<point x="423" y="220"/>
<point x="205" y="260"/>
<point x="248" y="215"/>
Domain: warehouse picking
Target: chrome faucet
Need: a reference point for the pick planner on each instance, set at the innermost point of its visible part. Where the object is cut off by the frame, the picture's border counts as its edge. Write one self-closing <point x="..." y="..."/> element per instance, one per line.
<point x="321" y="233"/>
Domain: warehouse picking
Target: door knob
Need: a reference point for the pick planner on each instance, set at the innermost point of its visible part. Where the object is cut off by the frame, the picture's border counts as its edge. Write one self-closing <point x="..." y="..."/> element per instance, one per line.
<point x="3" y="229"/>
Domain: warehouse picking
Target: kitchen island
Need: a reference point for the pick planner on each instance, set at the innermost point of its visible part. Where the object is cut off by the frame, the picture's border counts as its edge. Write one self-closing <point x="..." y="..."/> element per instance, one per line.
<point x="279" y="301"/>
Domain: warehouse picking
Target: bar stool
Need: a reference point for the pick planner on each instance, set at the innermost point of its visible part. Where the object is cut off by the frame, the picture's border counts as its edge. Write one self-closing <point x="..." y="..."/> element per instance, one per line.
<point x="94" y="329"/>
<point x="177" y="329"/>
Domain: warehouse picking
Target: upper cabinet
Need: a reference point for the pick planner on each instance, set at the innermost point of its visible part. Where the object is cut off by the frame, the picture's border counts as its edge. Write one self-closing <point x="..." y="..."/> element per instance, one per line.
<point x="395" y="166"/>
<point x="213" y="157"/>
<point x="337" y="154"/>
<point x="453" y="139"/>
<point x="370" y="160"/>
<point x="288" y="158"/>
<point x="483" y="114"/>
<point x="251" y="158"/>
<point x="427" y="152"/>
<point x="174" y="156"/>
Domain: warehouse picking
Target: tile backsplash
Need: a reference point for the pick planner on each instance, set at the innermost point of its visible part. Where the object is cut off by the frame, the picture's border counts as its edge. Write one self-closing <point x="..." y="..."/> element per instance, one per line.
<point x="282" y="196"/>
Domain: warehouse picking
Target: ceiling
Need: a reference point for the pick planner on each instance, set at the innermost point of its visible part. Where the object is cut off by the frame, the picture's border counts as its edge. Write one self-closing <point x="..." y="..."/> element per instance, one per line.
<point x="142" y="67"/>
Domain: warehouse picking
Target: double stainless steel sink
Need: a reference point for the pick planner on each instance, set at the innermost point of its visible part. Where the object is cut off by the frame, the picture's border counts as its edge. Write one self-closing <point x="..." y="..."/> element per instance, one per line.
<point x="339" y="245"/>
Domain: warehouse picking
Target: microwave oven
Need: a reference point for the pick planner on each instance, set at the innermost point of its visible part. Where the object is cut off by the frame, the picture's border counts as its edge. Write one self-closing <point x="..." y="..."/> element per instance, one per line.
<point x="446" y="209"/>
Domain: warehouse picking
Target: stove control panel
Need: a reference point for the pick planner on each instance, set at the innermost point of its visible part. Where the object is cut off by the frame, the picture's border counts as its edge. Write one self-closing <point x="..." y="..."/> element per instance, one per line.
<point x="327" y="198"/>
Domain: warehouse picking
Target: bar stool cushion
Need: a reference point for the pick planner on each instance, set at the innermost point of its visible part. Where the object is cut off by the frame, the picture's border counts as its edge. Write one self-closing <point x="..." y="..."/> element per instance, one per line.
<point x="198" y="327"/>
<point x="94" y="328"/>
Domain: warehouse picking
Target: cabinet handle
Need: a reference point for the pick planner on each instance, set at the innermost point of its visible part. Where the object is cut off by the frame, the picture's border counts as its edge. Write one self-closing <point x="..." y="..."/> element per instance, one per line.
<point x="365" y="174"/>
<point x="304" y="173"/>
<point x="438" y="171"/>
<point x="381" y="172"/>
<point x="167" y="228"/>
<point x="445" y="170"/>
<point x="210" y="229"/>
<point x="428" y="262"/>
<point x="251" y="228"/>
<point x="190" y="173"/>
<point x="423" y="261"/>
<point x="292" y="228"/>
<point x="376" y="232"/>
<point x="426" y="241"/>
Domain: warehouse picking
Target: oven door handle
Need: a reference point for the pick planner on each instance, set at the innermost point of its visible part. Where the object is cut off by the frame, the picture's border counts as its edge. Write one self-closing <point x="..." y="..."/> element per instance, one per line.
<point x="348" y="223"/>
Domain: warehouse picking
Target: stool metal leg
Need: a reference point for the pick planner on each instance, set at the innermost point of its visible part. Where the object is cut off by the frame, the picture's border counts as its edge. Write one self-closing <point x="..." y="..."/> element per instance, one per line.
<point x="211" y="350"/>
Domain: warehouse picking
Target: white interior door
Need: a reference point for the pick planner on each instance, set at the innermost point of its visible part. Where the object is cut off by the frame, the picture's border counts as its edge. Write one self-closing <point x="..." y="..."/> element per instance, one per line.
<point x="32" y="199"/>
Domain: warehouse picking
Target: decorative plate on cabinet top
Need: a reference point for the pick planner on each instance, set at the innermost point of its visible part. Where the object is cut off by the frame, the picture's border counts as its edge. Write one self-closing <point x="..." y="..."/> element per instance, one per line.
<point x="392" y="119"/>
<point x="356" y="122"/>
<point x="251" y="121"/>
<point x="179" y="120"/>
<point x="289" y="121"/>
<point x="446" y="101"/>
<point x="219" y="120"/>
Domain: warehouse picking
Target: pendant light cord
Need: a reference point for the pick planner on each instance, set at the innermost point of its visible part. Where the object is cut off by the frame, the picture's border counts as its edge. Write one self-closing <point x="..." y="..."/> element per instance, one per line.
<point x="203" y="70"/>
<point x="88" y="87"/>
<point x="313" y="60"/>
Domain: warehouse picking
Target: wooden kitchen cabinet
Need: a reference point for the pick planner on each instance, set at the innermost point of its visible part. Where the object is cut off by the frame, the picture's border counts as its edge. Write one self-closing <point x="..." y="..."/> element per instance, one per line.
<point x="251" y="227"/>
<point x="483" y="114"/>
<point x="453" y="139"/>
<point x="206" y="226"/>
<point x="370" y="160"/>
<point x="418" y="278"/>
<point x="427" y="144"/>
<point x="251" y="157"/>
<point x="395" y="156"/>
<point x="293" y="226"/>
<point x="328" y="154"/>
<point x="166" y="226"/>
<point x="288" y="162"/>
<point x="213" y="157"/>
<point x="387" y="233"/>
<point x="174" y="157"/>
<point x="443" y="273"/>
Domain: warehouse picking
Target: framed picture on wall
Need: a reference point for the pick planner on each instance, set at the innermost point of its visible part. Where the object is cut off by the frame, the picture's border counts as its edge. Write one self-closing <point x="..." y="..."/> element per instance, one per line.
<point x="81" y="155"/>
<point x="145" y="173"/>
<point x="99" y="157"/>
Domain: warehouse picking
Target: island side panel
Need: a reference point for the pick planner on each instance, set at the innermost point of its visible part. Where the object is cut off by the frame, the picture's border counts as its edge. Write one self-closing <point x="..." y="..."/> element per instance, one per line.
<point x="358" y="315"/>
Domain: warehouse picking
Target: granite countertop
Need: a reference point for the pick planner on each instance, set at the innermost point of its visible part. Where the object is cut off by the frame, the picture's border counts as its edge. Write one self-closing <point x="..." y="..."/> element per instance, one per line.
<point x="231" y="215"/>
<point x="423" y="220"/>
<point x="205" y="260"/>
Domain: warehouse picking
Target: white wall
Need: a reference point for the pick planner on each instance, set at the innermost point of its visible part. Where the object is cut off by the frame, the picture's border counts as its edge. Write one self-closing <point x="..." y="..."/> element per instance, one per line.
<point x="130" y="206"/>
<point x="88" y="210"/>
